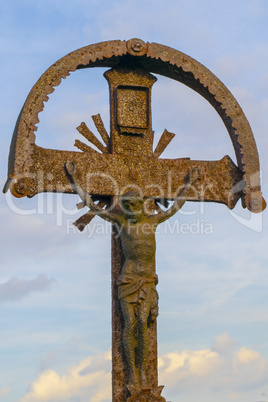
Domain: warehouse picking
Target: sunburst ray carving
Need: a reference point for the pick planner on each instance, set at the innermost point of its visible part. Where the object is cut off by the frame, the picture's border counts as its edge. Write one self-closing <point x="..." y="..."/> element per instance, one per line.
<point x="90" y="136"/>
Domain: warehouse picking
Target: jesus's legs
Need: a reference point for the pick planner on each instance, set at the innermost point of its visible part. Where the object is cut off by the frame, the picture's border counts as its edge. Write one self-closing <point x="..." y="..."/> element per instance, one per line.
<point x="129" y="341"/>
<point x="143" y="340"/>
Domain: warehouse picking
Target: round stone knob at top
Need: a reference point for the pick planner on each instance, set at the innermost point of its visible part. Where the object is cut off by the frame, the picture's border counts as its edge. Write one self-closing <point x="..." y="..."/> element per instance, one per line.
<point x="136" y="47"/>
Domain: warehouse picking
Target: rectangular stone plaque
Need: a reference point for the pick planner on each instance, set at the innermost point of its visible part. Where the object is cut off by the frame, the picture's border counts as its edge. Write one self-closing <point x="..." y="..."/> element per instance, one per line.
<point x="132" y="109"/>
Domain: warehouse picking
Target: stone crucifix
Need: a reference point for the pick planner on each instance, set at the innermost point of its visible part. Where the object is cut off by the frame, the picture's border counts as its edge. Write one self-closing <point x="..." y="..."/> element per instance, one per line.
<point x="126" y="182"/>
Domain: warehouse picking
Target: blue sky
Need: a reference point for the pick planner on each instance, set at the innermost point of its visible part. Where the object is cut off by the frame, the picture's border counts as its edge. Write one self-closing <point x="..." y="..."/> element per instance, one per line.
<point x="55" y="335"/>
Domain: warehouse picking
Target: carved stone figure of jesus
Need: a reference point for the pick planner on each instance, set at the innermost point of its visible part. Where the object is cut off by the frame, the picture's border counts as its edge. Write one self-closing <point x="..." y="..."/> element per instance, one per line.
<point x="137" y="282"/>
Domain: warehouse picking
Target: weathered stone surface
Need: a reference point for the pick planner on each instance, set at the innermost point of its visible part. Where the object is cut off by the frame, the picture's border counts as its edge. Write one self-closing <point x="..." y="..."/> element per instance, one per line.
<point x="126" y="161"/>
<point x="119" y="373"/>
<point x="155" y="58"/>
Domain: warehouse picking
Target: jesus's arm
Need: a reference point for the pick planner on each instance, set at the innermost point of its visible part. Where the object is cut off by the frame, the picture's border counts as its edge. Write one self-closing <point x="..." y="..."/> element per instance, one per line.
<point x="108" y="216"/>
<point x="190" y="179"/>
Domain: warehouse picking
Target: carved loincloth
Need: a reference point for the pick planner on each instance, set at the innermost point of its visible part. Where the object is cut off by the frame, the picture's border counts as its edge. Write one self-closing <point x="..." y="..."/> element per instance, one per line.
<point x="135" y="289"/>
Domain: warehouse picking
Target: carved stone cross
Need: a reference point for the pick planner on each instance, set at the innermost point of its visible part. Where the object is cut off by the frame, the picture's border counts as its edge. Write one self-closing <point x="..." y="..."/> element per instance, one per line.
<point x="125" y="162"/>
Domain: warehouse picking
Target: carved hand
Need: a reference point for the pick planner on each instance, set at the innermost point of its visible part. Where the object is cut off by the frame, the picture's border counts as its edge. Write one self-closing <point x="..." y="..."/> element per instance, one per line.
<point x="70" y="167"/>
<point x="193" y="176"/>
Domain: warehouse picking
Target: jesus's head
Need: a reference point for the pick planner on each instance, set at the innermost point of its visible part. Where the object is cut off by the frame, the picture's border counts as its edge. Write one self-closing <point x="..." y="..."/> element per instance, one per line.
<point x="132" y="204"/>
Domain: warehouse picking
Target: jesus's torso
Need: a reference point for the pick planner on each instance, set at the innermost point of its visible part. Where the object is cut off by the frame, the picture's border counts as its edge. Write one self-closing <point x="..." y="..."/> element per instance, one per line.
<point x="138" y="244"/>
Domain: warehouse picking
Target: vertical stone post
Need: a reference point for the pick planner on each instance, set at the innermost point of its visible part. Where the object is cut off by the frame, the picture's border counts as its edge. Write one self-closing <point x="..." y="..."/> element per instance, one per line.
<point x="119" y="368"/>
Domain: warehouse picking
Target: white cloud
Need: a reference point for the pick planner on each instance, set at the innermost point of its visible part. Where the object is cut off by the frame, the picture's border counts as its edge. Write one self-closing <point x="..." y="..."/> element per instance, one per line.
<point x="249" y="364"/>
<point x="220" y="373"/>
<point x="224" y="372"/>
<point x="16" y="288"/>
<point x="4" y="391"/>
<point x="88" y="381"/>
<point x="188" y="363"/>
<point x="223" y="344"/>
